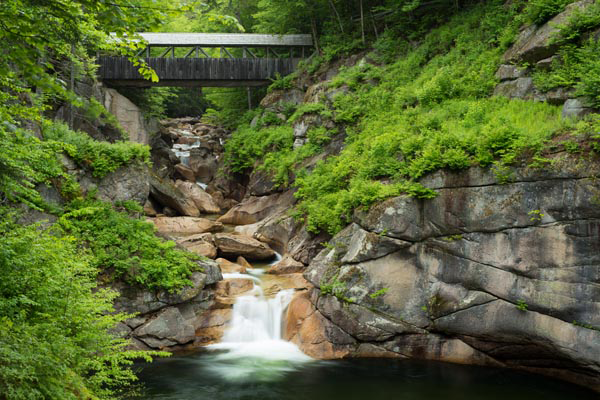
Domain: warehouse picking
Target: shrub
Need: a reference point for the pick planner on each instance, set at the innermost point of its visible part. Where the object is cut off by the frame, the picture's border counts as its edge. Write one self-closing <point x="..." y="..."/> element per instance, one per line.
<point x="125" y="247"/>
<point x="101" y="158"/>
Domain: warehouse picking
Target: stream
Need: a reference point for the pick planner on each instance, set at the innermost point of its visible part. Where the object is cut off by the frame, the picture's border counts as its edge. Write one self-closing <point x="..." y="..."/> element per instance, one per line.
<point x="253" y="362"/>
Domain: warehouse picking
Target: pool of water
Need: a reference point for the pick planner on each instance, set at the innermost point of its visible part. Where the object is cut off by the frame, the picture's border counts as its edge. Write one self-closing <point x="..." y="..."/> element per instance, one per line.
<point x="216" y="376"/>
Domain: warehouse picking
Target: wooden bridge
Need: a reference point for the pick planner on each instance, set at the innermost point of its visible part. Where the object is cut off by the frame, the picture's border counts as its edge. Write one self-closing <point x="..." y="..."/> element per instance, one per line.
<point x="209" y="59"/>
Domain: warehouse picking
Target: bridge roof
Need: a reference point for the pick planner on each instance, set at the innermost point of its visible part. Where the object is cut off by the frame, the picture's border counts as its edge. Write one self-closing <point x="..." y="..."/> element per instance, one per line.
<point x="225" y="40"/>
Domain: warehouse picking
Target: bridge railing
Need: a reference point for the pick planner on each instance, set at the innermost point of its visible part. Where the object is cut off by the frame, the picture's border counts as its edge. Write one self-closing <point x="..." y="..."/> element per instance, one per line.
<point x="209" y="59"/>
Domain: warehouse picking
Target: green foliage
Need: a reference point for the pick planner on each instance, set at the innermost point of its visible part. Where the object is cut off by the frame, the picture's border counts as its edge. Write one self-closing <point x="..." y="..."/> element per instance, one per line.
<point x="311" y="108"/>
<point x="101" y="157"/>
<point x="578" y="67"/>
<point x="521" y="305"/>
<point x="247" y="145"/>
<point x="282" y="82"/>
<point x="26" y="161"/>
<point x="379" y="293"/>
<point x="540" y="11"/>
<point x="125" y="247"/>
<point x="54" y="340"/>
<point x="430" y="109"/>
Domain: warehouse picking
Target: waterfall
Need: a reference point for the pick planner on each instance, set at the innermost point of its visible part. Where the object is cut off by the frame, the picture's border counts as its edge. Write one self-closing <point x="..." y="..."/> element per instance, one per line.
<point x="257" y="319"/>
<point x="255" y="330"/>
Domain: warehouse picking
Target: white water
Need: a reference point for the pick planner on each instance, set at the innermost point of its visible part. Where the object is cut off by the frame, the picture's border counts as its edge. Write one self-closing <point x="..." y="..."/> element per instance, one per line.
<point x="253" y="345"/>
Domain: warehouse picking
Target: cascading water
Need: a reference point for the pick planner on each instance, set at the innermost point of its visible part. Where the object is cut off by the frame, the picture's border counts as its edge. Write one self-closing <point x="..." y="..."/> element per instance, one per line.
<point x="253" y="345"/>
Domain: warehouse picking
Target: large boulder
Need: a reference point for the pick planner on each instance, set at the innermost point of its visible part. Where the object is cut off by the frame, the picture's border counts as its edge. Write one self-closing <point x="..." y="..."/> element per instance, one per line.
<point x="167" y="194"/>
<point x="185" y="225"/>
<point x="203" y="201"/>
<point x="231" y="245"/>
<point x="166" y="329"/>
<point x="202" y="244"/>
<point x="255" y="208"/>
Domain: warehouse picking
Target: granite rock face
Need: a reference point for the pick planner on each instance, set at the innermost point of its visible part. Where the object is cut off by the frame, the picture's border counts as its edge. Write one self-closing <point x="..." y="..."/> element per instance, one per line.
<point x="167" y="320"/>
<point x="484" y="273"/>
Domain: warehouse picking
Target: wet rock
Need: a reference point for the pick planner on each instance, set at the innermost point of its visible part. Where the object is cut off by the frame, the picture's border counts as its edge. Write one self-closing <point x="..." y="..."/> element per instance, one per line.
<point x="186" y="172"/>
<point x="202" y="200"/>
<point x="231" y="245"/>
<point x="233" y="287"/>
<point x="314" y="334"/>
<point x="243" y="262"/>
<point x="228" y="267"/>
<point x="211" y="326"/>
<point x="189" y="225"/>
<point x="204" y="163"/>
<point x="287" y="265"/>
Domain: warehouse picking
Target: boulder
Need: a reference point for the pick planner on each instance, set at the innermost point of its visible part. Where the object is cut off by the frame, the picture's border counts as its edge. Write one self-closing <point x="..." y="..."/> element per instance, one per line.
<point x="233" y="287"/>
<point x="189" y="225"/>
<point x="204" y="163"/>
<point x="202" y="200"/>
<point x="535" y="43"/>
<point x="484" y="273"/>
<point x="186" y="172"/>
<point x="278" y="99"/>
<point x="167" y="194"/>
<point x="287" y="265"/>
<point x="228" y="267"/>
<point x="149" y="209"/>
<point x="508" y="72"/>
<point x="211" y="326"/>
<point x="202" y="244"/>
<point x="255" y="209"/>
<point x="129" y="115"/>
<point x="231" y="245"/>
<point x="520" y="88"/>
<point x="163" y="158"/>
<point x="576" y="108"/>
<point x="166" y="329"/>
<point x="128" y="183"/>
<point x="314" y="334"/>
<point x="243" y="262"/>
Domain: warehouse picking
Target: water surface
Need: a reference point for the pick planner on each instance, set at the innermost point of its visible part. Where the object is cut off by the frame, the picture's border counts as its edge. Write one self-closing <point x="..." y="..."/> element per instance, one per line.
<point x="214" y="377"/>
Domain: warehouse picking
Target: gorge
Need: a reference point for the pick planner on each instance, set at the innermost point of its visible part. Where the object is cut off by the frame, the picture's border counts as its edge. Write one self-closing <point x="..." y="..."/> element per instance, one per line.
<point x="412" y="211"/>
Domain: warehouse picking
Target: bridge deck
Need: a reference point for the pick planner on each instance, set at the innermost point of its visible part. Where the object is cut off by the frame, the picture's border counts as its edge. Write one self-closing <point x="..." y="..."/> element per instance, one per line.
<point x="193" y="72"/>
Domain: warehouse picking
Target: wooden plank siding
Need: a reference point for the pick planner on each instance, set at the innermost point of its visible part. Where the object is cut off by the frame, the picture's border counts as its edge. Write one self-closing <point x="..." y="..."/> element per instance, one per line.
<point x="119" y="71"/>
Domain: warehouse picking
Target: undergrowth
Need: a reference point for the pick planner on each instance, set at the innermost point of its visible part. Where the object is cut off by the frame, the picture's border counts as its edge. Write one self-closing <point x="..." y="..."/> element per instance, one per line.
<point x="427" y="110"/>
<point x="124" y="246"/>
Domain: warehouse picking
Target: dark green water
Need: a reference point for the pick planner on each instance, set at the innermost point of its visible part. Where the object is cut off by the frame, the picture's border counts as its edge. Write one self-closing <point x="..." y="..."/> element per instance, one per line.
<point x="207" y="377"/>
